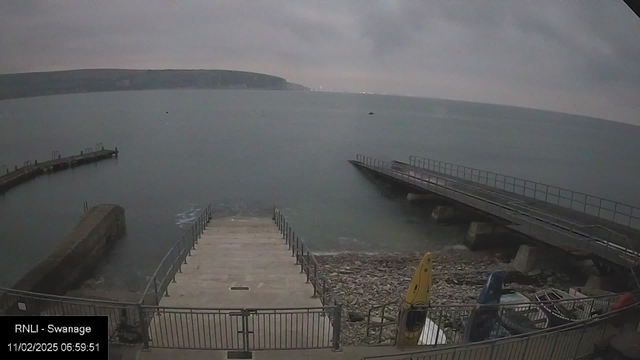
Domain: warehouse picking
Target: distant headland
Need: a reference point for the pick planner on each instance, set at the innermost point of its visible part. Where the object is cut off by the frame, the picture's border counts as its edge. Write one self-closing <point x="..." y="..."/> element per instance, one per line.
<point x="94" y="80"/>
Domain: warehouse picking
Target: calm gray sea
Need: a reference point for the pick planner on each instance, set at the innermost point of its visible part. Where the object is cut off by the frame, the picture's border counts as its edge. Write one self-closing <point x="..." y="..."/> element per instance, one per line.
<point x="243" y="151"/>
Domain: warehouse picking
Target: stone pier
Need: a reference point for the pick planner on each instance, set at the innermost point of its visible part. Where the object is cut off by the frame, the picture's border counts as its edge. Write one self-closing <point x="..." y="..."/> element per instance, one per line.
<point x="444" y="214"/>
<point x="531" y="257"/>
<point x="413" y="197"/>
<point x="482" y="235"/>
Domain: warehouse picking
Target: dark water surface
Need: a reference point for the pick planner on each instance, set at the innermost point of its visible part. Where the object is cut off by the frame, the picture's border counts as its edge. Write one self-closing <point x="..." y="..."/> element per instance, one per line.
<point x="242" y="151"/>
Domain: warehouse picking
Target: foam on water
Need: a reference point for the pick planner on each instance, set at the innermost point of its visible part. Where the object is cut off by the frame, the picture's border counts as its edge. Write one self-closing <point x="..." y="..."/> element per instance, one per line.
<point x="188" y="215"/>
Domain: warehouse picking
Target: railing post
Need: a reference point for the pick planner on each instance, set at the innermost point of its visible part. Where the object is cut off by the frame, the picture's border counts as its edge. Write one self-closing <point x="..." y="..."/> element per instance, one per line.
<point x="155" y="290"/>
<point x="301" y="260"/>
<point x="337" y="327"/>
<point x="526" y="346"/>
<point x="600" y="208"/>
<point x="553" y="348"/>
<point x="308" y="264"/>
<point x="571" y="206"/>
<point x="323" y="299"/>
<point x="584" y="329"/>
<point x="143" y="328"/>
<point x="315" y="280"/>
<point x="292" y="246"/>
<point x="296" y="250"/>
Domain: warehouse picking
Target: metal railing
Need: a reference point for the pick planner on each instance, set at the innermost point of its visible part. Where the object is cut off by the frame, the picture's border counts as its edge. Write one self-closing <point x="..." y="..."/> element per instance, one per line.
<point x="617" y="212"/>
<point x="125" y="320"/>
<point x="314" y="273"/>
<point x="243" y="329"/>
<point x="536" y="223"/>
<point x="570" y="341"/>
<point x="55" y="155"/>
<point x="452" y="320"/>
<point x="151" y="325"/>
<point x="308" y="265"/>
<point x="172" y="262"/>
<point x="382" y="323"/>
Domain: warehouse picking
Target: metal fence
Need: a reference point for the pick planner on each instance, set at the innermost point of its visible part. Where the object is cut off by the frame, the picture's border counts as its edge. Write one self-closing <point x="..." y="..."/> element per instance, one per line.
<point x="172" y="262"/>
<point x="593" y="205"/>
<point x="539" y="224"/>
<point x="450" y="324"/>
<point x="148" y="324"/>
<point x="125" y="322"/>
<point x="308" y="264"/>
<point x="571" y="341"/>
<point x="243" y="329"/>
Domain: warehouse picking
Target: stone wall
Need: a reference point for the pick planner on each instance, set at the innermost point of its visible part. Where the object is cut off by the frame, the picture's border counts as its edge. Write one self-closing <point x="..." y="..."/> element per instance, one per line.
<point x="77" y="255"/>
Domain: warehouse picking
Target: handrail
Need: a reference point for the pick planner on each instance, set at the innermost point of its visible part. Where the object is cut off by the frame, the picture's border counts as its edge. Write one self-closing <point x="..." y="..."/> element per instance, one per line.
<point x="493" y="179"/>
<point x="55" y="155"/>
<point x="624" y="243"/>
<point x="68" y="299"/>
<point x="434" y="180"/>
<point x="176" y="256"/>
<point x="607" y="297"/>
<point x="520" y="203"/>
<point x="514" y="338"/>
<point x="314" y="276"/>
<point x="308" y="263"/>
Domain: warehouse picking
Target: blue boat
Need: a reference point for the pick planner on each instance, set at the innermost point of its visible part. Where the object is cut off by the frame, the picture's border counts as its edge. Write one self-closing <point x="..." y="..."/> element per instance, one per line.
<point x="482" y="322"/>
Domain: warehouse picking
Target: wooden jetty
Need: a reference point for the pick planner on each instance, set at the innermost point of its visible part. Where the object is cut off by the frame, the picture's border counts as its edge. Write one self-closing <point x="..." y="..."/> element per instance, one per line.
<point x="29" y="171"/>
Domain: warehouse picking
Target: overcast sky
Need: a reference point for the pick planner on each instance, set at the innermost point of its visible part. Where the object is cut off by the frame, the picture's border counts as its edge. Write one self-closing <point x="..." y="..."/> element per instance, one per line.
<point x="577" y="56"/>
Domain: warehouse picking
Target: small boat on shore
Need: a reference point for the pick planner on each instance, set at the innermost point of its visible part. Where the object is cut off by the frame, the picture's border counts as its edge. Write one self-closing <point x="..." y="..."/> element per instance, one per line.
<point x="561" y="307"/>
<point x="481" y="324"/>
<point x="431" y="334"/>
<point x="520" y="318"/>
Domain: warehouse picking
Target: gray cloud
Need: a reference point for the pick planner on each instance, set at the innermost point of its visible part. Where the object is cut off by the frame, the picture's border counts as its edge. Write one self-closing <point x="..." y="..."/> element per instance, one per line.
<point x="572" y="56"/>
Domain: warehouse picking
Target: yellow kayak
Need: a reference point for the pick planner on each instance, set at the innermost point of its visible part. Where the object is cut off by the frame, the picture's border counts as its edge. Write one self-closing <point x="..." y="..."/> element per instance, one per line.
<point x="418" y="293"/>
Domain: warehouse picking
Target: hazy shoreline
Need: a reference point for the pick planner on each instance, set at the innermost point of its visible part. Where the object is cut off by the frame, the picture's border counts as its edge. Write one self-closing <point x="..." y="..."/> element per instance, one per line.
<point x="34" y="84"/>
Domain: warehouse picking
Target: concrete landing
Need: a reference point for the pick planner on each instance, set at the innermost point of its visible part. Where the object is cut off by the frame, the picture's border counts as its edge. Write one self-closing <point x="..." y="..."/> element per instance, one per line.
<point x="250" y="255"/>
<point x="240" y="252"/>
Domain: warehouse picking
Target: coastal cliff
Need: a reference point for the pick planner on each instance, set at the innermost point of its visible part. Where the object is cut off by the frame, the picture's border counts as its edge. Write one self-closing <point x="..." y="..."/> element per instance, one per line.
<point x="96" y="80"/>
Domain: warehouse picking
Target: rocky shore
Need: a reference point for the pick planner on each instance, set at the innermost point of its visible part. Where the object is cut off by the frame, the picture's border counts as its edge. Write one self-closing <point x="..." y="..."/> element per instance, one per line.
<point x="363" y="281"/>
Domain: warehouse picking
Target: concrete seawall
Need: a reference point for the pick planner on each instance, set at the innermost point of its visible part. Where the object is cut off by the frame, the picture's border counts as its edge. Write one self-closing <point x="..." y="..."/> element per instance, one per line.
<point x="76" y="256"/>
